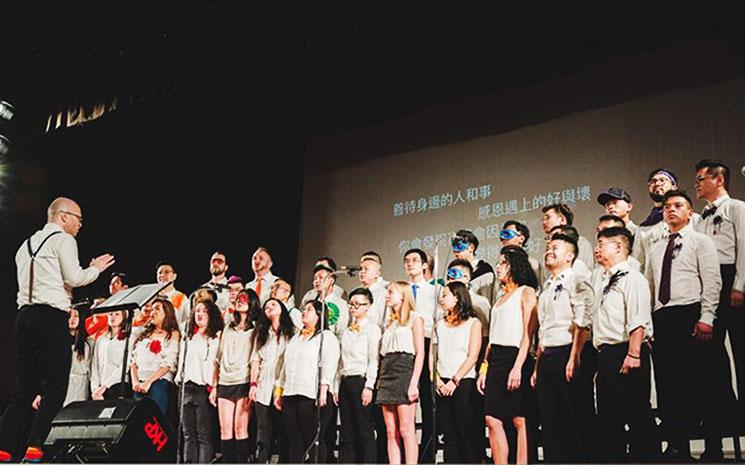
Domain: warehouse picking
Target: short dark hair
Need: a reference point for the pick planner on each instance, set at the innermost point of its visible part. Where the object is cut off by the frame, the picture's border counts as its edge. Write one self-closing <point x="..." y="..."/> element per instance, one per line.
<point x="363" y="291"/>
<point x="373" y="254"/>
<point x="614" y="218"/>
<point x="328" y="260"/>
<point x="466" y="236"/>
<point x="464" y="263"/>
<point x="520" y="270"/>
<point x="563" y="210"/>
<point x="122" y="277"/>
<point x="422" y="254"/>
<point x="626" y="237"/>
<point x="521" y="228"/>
<point x="165" y="263"/>
<point x="569" y="240"/>
<point x="677" y="193"/>
<point x="715" y="167"/>
<point x="570" y="231"/>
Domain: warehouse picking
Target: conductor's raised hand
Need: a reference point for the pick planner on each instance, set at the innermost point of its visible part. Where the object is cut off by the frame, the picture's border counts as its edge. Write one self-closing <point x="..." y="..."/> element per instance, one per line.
<point x="103" y="262"/>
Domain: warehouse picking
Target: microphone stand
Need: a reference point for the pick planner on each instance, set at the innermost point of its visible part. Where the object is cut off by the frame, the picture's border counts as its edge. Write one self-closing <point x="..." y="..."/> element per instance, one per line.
<point x="182" y="388"/>
<point x="322" y="298"/>
<point x="433" y="440"/>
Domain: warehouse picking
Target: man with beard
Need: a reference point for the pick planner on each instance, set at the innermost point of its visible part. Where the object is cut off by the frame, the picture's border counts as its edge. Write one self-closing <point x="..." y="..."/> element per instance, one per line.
<point x="653" y="228"/>
<point x="261" y="265"/>
<point x="219" y="282"/>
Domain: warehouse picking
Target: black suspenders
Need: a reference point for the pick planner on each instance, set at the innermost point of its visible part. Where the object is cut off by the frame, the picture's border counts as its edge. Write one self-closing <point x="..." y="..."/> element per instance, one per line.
<point x="33" y="255"/>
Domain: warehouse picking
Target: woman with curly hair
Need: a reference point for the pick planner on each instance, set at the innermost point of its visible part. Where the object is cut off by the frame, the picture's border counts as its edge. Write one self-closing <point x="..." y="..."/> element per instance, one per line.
<point x="504" y="376"/>
<point x="155" y="355"/>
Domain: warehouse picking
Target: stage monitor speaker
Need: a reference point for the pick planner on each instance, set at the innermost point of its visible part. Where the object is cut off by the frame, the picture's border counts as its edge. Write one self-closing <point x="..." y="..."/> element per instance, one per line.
<point x="111" y="431"/>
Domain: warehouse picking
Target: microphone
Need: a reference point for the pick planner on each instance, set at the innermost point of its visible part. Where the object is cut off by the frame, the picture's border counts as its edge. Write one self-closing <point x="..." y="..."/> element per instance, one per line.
<point x="351" y="270"/>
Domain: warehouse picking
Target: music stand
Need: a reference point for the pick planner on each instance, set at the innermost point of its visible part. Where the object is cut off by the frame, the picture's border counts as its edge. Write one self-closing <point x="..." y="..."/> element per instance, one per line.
<point x="129" y="300"/>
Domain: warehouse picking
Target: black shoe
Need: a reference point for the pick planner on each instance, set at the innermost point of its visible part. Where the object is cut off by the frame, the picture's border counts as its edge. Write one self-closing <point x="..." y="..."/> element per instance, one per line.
<point x="711" y="456"/>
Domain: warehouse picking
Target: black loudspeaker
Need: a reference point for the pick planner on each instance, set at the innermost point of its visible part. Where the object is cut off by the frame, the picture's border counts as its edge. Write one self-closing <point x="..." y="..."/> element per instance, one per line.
<point x="111" y="431"/>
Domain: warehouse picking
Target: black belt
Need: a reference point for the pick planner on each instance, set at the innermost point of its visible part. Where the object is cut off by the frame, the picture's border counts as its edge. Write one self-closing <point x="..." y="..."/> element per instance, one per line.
<point x="557" y="350"/>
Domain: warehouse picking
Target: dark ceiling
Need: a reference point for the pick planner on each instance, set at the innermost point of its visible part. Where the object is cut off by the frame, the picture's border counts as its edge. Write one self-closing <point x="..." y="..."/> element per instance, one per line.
<point x="310" y="67"/>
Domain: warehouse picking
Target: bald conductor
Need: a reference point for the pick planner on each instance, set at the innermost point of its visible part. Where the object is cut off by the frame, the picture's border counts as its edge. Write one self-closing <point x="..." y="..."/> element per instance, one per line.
<point x="48" y="269"/>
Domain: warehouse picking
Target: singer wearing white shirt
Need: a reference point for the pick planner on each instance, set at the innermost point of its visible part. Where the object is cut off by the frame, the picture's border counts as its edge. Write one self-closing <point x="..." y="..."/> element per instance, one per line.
<point x="282" y="291"/>
<point x="196" y="369"/>
<point x="458" y="342"/>
<point x="358" y="372"/>
<point x="261" y="264"/>
<point x="165" y="272"/>
<point x="231" y="377"/>
<point x="371" y="266"/>
<point x="402" y="359"/>
<point x="155" y="355"/>
<point x="565" y="365"/>
<point x="298" y="385"/>
<point x="273" y="330"/>
<point x="504" y="374"/>
<point x="723" y="220"/>
<point x="108" y="355"/>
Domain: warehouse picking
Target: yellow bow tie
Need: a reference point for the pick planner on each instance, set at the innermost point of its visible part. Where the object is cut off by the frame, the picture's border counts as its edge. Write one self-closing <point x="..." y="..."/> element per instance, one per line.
<point x="307" y="331"/>
<point x="355" y="327"/>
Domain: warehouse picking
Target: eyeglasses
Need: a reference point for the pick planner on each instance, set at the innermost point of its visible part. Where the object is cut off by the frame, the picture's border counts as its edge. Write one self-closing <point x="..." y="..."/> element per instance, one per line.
<point x="700" y="179"/>
<point x="659" y="180"/>
<point x="357" y="305"/>
<point x="507" y="234"/>
<point x="79" y="217"/>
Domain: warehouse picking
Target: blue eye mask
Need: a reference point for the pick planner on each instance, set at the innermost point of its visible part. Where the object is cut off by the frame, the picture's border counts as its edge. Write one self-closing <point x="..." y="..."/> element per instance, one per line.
<point x="507" y="234"/>
<point x="455" y="273"/>
<point x="459" y="245"/>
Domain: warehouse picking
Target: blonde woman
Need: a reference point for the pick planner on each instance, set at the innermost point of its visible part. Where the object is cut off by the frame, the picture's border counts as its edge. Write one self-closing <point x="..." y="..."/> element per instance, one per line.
<point x="402" y="359"/>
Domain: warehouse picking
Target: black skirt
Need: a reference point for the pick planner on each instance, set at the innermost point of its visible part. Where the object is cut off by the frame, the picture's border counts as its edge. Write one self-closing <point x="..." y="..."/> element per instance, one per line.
<point x="233" y="391"/>
<point x="498" y="401"/>
<point x="394" y="378"/>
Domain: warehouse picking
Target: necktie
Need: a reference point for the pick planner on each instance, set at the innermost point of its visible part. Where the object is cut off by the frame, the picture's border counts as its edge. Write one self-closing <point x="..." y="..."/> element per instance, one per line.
<point x="414" y="289"/>
<point x="258" y="286"/>
<point x="708" y="211"/>
<point x="667" y="263"/>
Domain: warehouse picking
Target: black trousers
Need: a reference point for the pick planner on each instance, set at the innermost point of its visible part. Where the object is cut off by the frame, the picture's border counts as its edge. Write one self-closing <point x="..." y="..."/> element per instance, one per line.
<point x="677" y="371"/>
<point x="357" y="433"/>
<point x="43" y="359"/>
<point x="196" y="424"/>
<point x="624" y="400"/>
<point x="558" y="403"/>
<point x="428" y="446"/>
<point x="458" y="419"/>
<point x="299" y="419"/>
<point x="381" y="438"/>
<point x="269" y="431"/>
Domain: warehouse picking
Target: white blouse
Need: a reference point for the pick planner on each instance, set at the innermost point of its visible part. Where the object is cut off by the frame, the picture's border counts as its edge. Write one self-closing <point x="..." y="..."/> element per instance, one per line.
<point x="233" y="356"/>
<point x="201" y="354"/>
<point x="452" y="348"/>
<point x="299" y="370"/>
<point x="360" y="351"/>
<point x="78" y="387"/>
<point x="268" y="357"/>
<point x="108" y="355"/>
<point x="399" y="338"/>
<point x="150" y="354"/>
<point x="507" y="321"/>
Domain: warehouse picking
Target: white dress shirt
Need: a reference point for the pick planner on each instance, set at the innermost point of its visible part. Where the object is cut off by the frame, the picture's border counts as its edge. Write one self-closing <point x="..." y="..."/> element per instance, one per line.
<point x="360" y="352"/>
<point x="425" y="304"/>
<point x="300" y="366"/>
<point x="268" y="358"/>
<point x="694" y="273"/>
<point x="108" y="355"/>
<point x="726" y="227"/>
<point x="621" y="308"/>
<point x="181" y="305"/>
<point x="148" y="359"/>
<point x="399" y="338"/>
<point x="586" y="254"/>
<point x="565" y="303"/>
<point x="377" y="313"/>
<point x="646" y="238"/>
<point x="266" y="286"/>
<point x="482" y="308"/>
<point x="452" y="348"/>
<point x="223" y="292"/>
<point x="56" y="269"/>
<point x="201" y="354"/>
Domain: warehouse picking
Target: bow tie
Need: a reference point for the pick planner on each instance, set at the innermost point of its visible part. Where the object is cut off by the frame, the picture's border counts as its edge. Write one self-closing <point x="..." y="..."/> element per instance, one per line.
<point x="708" y="211"/>
<point x="355" y="327"/>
